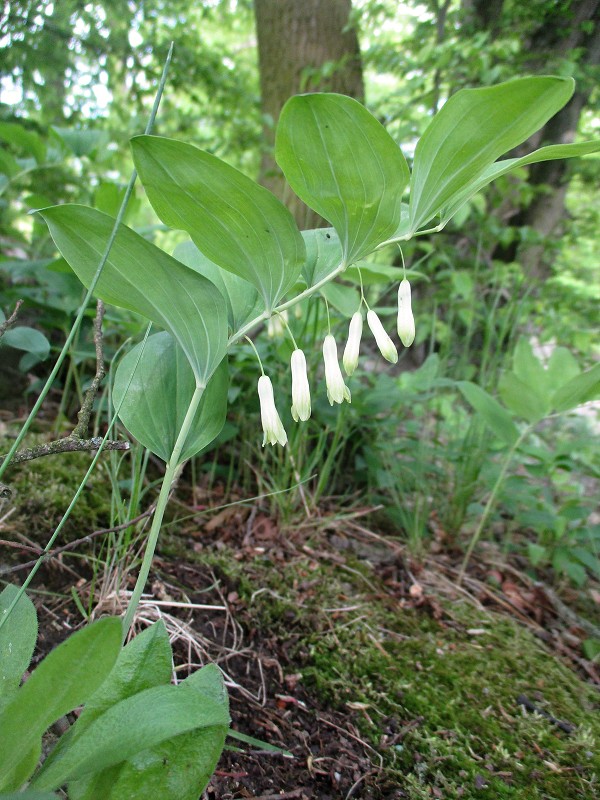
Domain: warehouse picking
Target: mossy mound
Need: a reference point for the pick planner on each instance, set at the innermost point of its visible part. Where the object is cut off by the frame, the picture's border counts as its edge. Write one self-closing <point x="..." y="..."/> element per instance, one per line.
<point x="440" y="700"/>
<point x="43" y="488"/>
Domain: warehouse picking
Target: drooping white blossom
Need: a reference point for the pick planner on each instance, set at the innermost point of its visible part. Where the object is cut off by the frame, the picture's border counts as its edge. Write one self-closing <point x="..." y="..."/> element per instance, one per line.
<point x="353" y="344"/>
<point x="385" y="344"/>
<point x="337" y="391"/>
<point x="300" y="387"/>
<point x="406" y="320"/>
<point x="273" y="429"/>
<point x="276" y="325"/>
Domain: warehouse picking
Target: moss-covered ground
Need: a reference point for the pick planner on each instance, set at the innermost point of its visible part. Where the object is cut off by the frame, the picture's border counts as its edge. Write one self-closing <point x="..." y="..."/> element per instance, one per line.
<point x="432" y="688"/>
<point x="435" y="698"/>
<point x="42" y="490"/>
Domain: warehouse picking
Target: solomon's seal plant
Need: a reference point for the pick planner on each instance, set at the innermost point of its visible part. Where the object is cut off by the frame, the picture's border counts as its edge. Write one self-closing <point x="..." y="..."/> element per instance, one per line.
<point x="245" y="264"/>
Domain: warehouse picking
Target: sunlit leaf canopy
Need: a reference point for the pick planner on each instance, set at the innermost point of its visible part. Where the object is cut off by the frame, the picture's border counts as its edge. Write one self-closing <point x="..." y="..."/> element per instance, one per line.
<point x="74" y="63"/>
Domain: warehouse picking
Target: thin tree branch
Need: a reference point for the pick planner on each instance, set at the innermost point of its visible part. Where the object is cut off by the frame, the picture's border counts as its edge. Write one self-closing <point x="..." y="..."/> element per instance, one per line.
<point x="8" y="323"/>
<point x="85" y="412"/>
<point x="66" y="445"/>
<point x="71" y="545"/>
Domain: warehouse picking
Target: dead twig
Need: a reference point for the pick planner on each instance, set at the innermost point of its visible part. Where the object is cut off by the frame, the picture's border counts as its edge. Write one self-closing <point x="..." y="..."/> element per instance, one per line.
<point x="71" y="545"/>
<point x="85" y="412"/>
<point x="8" y="323"/>
<point x="65" y="445"/>
<point x="524" y="701"/>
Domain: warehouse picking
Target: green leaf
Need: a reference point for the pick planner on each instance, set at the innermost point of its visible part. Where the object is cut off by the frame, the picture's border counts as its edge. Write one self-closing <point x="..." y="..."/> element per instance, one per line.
<point x="552" y="152"/>
<point x="235" y="222"/>
<point x="588" y="559"/>
<point x="17" y="640"/>
<point x="492" y="413"/>
<point x="145" y="662"/>
<point x="259" y="743"/>
<point x="343" y="164"/>
<point x="28" y="339"/>
<point x="9" y="167"/>
<point x="159" y="714"/>
<point x="580" y="389"/>
<point x="142" y="278"/>
<point x="153" y="393"/>
<point x="64" y="680"/>
<point x="537" y="553"/>
<point x="563" y="562"/>
<point x="562" y="367"/>
<point x="323" y="254"/>
<point x="26" y="140"/>
<point x="345" y="298"/>
<point x="142" y="664"/>
<point x="591" y="649"/>
<point x="370" y="272"/>
<point x="523" y="399"/>
<point x="209" y="681"/>
<point x="243" y="300"/>
<point x="177" y="769"/>
<point x="83" y="142"/>
<point x="471" y="131"/>
<point x="527" y="367"/>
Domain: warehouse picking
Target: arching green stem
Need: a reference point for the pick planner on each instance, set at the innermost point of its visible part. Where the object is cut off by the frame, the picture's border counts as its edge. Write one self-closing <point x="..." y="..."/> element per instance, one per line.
<point x="171" y="473"/>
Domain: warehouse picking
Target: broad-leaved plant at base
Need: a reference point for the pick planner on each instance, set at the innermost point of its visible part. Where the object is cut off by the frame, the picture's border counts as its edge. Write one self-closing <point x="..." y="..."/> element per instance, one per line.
<point x="137" y="736"/>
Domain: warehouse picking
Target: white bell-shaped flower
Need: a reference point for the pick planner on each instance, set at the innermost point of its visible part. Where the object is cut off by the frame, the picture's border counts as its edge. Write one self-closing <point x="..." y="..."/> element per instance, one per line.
<point x="300" y="387"/>
<point x="276" y="325"/>
<point x="337" y="391"/>
<point x="274" y="432"/>
<point x="353" y="344"/>
<point x="384" y="343"/>
<point x="406" y="321"/>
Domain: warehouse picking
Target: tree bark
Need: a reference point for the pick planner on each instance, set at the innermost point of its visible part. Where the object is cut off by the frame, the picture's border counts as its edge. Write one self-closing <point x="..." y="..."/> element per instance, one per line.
<point x="568" y="30"/>
<point x="303" y="46"/>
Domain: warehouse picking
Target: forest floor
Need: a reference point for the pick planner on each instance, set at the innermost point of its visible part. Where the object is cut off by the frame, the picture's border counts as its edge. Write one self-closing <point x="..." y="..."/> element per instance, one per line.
<point x="379" y="674"/>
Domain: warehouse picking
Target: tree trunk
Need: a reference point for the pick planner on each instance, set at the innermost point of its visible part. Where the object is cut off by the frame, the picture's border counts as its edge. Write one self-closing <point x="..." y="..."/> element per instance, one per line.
<point x="303" y="46"/>
<point x="570" y="31"/>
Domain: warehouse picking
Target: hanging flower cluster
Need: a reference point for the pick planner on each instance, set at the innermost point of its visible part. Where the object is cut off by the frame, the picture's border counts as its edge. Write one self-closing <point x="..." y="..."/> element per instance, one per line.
<point x="337" y="391"/>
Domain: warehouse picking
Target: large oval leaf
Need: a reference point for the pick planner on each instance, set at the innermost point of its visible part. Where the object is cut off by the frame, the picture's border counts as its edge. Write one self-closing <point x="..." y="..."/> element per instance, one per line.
<point x="323" y="254"/>
<point x="65" y="679"/>
<point x="177" y="769"/>
<point x="152" y="393"/>
<point x="142" y="278"/>
<point x="472" y="130"/>
<point x="343" y="164"/>
<point x="147" y="661"/>
<point x="158" y="714"/>
<point x="552" y="152"/>
<point x="491" y="412"/>
<point x="238" y="224"/>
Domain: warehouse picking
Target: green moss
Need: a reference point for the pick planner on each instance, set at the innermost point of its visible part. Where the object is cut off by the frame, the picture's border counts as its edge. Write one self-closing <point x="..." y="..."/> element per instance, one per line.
<point x="43" y="488"/>
<point x="438" y="700"/>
